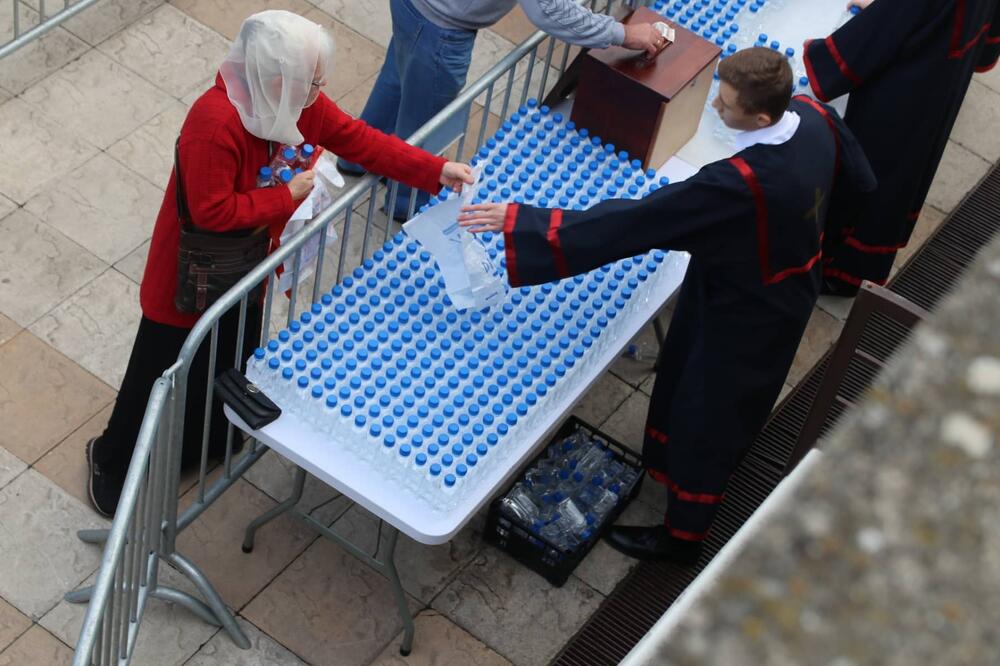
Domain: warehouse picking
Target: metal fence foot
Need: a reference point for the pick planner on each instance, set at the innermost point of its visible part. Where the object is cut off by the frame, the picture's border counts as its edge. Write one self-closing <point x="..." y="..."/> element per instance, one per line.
<point x="92" y="536"/>
<point x="215" y="603"/>
<point x="297" y="485"/>
<point x="194" y="605"/>
<point x="80" y="596"/>
<point x="389" y="565"/>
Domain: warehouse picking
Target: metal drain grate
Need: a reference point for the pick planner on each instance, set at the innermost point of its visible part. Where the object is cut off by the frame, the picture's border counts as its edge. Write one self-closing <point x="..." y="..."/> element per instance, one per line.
<point x="646" y="593"/>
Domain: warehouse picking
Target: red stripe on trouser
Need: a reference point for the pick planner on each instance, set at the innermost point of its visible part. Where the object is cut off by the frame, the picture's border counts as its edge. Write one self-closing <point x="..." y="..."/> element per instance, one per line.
<point x="552" y="236"/>
<point x="657" y="435"/>
<point x="509" y="221"/>
<point x="872" y="249"/>
<point x="847" y="277"/>
<point x="683" y="495"/>
<point x="683" y="534"/>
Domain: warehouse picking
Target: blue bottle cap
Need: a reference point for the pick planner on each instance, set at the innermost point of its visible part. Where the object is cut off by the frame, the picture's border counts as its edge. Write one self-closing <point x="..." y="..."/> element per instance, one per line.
<point x="435" y="469"/>
<point x="449" y="479"/>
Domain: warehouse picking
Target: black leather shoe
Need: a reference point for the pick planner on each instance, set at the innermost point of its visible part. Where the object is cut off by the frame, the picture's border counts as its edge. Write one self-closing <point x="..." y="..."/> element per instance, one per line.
<point x="839" y="288"/>
<point x="652" y="544"/>
<point x="350" y="169"/>
<point x="103" y="487"/>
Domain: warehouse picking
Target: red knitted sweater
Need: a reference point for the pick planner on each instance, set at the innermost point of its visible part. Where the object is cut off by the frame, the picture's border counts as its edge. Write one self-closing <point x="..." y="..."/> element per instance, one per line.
<point x="219" y="164"/>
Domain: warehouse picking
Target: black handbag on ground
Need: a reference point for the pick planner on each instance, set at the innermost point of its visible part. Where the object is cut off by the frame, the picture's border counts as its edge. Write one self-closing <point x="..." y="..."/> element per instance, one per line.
<point x="210" y="263"/>
<point x="244" y="398"/>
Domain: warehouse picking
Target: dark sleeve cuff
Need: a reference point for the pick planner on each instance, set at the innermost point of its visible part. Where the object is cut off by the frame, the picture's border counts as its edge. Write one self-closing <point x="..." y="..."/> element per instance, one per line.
<point x="528" y="247"/>
<point x="829" y="75"/>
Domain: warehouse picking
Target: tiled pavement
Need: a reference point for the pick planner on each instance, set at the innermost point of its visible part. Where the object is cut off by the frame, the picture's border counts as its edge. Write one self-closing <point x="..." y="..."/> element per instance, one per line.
<point x="94" y="107"/>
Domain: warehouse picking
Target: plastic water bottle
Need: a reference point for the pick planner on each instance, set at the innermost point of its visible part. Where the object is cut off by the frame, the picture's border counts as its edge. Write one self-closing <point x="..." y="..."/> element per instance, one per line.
<point x="285" y="176"/>
<point x="521" y="505"/>
<point x="853" y="11"/>
<point x="285" y="157"/>
<point x="265" y="177"/>
<point x="305" y="155"/>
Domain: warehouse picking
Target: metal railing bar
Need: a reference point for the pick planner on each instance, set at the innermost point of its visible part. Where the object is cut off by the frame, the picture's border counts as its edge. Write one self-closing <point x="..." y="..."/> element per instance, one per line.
<point x="22" y="39"/>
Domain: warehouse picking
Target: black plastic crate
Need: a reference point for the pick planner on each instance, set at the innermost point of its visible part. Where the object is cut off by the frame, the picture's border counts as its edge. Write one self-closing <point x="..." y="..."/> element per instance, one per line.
<point x="533" y="550"/>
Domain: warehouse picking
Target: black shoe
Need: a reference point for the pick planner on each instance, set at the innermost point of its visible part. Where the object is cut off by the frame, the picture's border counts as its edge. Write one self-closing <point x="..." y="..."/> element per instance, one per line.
<point x="839" y="288"/>
<point x="398" y="216"/>
<point x="350" y="169"/>
<point x="652" y="544"/>
<point x="103" y="487"/>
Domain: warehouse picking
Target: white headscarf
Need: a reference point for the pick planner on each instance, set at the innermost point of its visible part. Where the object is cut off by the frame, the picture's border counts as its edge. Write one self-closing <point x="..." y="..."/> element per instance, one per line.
<point x="270" y="70"/>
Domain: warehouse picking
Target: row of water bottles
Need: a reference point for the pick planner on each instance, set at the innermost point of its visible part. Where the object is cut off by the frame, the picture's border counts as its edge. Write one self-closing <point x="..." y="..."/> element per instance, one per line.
<point x="538" y="157"/>
<point x="508" y="363"/>
<point x="569" y="492"/>
<point x="286" y="162"/>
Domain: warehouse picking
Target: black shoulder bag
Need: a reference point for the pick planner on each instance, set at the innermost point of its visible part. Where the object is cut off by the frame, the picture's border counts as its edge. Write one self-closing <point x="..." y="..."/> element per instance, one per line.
<point x="210" y="263"/>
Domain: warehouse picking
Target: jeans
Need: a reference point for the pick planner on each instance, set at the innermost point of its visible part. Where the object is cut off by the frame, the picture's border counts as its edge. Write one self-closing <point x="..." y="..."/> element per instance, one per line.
<point x="425" y="68"/>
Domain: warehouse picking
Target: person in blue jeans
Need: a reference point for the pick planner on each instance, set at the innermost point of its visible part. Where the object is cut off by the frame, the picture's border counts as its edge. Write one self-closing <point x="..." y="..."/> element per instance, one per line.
<point x="431" y="48"/>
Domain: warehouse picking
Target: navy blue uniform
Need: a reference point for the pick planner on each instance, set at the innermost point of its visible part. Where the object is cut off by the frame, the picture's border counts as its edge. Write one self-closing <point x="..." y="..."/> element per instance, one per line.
<point x="906" y="65"/>
<point x="754" y="226"/>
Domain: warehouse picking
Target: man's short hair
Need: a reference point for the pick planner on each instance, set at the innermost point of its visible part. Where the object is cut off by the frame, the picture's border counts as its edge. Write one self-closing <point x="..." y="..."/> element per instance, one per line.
<point x="762" y="79"/>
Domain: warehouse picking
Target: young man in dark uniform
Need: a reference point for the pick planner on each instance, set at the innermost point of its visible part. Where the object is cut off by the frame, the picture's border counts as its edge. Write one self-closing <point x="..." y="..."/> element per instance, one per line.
<point x="906" y="65"/>
<point x="754" y="226"/>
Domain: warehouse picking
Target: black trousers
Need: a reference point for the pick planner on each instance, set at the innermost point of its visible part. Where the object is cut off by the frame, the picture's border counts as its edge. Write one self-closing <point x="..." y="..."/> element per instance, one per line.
<point x="155" y="349"/>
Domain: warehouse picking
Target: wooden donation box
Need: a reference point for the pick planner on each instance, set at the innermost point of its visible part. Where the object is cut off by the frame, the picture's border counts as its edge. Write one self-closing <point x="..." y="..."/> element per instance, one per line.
<point x="648" y="107"/>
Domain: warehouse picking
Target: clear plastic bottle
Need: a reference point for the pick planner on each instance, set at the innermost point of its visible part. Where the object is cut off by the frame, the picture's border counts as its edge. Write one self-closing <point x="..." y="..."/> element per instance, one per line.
<point x="265" y="177"/>
<point x="305" y="155"/>
<point x="285" y="157"/>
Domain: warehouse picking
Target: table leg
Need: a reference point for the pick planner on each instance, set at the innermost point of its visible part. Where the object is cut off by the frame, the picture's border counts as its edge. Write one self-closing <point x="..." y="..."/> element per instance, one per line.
<point x="389" y="565"/>
<point x="286" y="506"/>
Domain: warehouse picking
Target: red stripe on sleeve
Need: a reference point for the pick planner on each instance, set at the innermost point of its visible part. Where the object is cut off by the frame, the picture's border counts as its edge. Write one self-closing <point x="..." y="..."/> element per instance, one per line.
<point x="509" y="221"/>
<point x="811" y="74"/>
<point x="985" y="68"/>
<point x="761" y="205"/>
<point x="841" y="63"/>
<point x="552" y="236"/>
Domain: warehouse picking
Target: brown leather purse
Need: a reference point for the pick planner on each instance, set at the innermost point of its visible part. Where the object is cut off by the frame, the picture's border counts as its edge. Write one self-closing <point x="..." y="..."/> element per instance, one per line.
<point x="209" y="263"/>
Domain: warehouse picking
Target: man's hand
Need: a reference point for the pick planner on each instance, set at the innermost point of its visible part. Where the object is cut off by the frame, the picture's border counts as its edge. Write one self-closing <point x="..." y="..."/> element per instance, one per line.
<point x="478" y="218"/>
<point x="643" y="37"/>
<point x="862" y="4"/>
<point x="453" y="174"/>
<point x="301" y="185"/>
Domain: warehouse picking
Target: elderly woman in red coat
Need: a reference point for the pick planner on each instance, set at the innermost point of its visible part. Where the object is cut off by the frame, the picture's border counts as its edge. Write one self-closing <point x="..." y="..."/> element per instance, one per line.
<point x="267" y="93"/>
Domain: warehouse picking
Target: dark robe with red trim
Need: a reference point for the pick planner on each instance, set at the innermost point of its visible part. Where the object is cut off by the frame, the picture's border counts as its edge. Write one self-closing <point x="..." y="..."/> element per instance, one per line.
<point x="753" y="225"/>
<point x="906" y="65"/>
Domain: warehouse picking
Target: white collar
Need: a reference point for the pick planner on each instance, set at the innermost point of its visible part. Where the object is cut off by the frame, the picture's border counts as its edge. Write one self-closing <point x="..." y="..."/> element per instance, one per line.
<point x="772" y="135"/>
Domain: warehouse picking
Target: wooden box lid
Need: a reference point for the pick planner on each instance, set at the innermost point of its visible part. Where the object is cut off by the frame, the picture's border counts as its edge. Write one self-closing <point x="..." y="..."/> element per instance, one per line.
<point x="672" y="69"/>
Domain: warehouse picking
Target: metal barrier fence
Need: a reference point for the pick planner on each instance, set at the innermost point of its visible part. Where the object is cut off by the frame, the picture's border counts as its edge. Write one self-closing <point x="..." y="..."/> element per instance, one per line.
<point x="23" y="14"/>
<point x="145" y="528"/>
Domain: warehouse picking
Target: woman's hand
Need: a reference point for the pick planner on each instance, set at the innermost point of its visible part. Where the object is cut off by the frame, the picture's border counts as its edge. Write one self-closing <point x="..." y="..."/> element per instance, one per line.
<point x="301" y="185"/>
<point x="453" y="174"/>
<point x="478" y="218"/>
